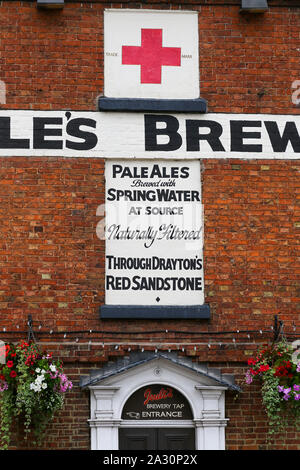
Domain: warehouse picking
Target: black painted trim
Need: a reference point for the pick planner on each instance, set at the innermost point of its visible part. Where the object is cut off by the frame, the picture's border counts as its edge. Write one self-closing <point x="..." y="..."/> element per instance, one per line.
<point x="155" y="311"/>
<point x="137" y="104"/>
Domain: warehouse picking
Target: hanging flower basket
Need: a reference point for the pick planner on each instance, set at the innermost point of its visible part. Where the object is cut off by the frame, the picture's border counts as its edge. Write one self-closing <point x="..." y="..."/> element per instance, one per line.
<point x="32" y="387"/>
<point x="278" y="371"/>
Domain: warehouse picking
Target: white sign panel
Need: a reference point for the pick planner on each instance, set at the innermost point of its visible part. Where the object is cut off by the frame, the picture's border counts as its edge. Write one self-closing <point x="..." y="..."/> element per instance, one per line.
<point x="151" y="54"/>
<point x="154" y="236"/>
<point x="146" y="135"/>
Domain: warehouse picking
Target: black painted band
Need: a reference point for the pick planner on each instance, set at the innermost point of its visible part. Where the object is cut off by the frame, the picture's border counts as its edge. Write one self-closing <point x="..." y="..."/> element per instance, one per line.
<point x="138" y="104"/>
<point x="155" y="312"/>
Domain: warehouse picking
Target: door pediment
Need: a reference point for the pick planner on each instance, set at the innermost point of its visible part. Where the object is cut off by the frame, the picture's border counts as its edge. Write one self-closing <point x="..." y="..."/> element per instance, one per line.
<point x="146" y="361"/>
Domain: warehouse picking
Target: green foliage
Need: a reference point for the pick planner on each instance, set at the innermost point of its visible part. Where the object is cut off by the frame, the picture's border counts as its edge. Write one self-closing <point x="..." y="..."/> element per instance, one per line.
<point x="32" y="385"/>
<point x="272" y="401"/>
<point x="279" y="376"/>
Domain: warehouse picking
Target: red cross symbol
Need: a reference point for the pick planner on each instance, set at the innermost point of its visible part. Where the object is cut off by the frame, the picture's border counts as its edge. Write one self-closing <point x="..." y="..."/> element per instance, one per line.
<point x="151" y="55"/>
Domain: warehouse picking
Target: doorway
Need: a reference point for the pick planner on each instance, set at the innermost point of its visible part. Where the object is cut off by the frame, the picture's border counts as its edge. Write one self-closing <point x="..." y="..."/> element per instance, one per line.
<point x="127" y="400"/>
<point x="157" y="439"/>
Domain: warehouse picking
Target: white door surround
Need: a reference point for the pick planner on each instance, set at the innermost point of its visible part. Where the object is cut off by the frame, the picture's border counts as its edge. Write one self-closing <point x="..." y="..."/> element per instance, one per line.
<point x="203" y="388"/>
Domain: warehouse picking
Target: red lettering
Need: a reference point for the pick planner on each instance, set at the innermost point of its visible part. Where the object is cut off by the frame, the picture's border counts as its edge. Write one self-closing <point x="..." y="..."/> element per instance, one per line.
<point x="161" y="395"/>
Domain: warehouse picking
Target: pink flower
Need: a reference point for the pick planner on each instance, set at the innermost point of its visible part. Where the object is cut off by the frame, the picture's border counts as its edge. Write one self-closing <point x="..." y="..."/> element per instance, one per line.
<point x="3" y="386"/>
<point x="248" y="378"/>
<point x="65" y="384"/>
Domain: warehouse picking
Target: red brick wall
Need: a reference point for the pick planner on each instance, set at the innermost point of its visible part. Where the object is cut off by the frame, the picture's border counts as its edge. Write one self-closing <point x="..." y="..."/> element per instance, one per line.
<point x="54" y="59"/>
<point x="246" y="428"/>
<point x="51" y="261"/>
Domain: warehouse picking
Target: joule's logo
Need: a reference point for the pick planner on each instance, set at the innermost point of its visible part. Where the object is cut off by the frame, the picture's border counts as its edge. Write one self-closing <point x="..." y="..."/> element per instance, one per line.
<point x="151" y="55"/>
<point x="161" y="395"/>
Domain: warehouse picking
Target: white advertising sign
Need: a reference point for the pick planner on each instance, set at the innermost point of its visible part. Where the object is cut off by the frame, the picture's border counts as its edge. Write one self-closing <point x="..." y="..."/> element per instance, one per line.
<point x="148" y="135"/>
<point x="151" y="54"/>
<point x="154" y="233"/>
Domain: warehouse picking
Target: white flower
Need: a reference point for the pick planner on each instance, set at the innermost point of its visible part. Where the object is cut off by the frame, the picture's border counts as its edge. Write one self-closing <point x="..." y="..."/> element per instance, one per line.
<point x="52" y="368"/>
<point x="44" y="385"/>
<point x="38" y="370"/>
<point x="35" y="387"/>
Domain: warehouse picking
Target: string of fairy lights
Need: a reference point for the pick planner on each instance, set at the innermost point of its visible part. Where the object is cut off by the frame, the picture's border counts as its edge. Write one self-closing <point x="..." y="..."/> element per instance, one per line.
<point x="159" y="339"/>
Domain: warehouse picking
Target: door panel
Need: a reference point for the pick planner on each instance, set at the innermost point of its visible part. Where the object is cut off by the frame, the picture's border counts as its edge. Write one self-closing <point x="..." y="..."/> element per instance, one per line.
<point x="156" y="439"/>
<point x="176" y="439"/>
<point x="137" y="439"/>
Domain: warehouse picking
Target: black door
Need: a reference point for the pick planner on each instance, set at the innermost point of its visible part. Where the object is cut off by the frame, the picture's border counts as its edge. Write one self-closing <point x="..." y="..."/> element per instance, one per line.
<point x="157" y="439"/>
